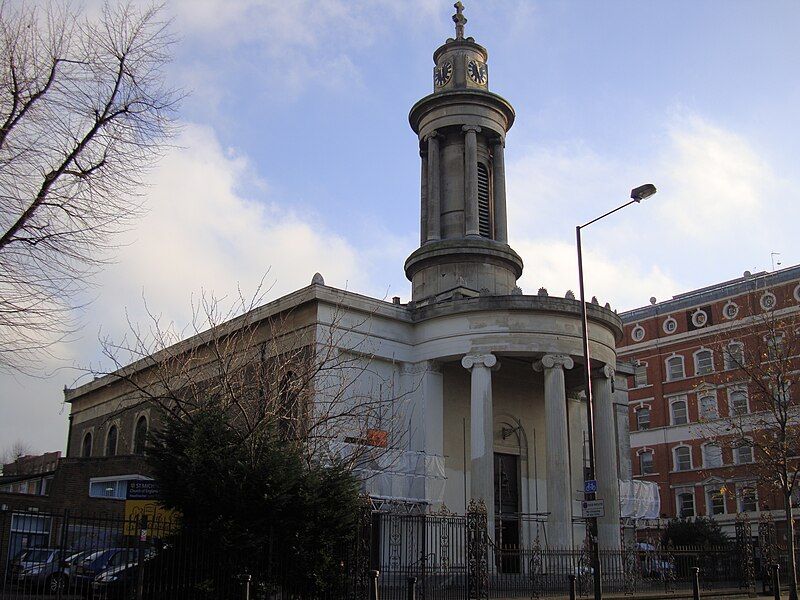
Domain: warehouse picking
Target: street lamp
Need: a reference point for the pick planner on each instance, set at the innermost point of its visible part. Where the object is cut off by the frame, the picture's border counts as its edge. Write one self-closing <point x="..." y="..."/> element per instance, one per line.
<point x="637" y="195"/>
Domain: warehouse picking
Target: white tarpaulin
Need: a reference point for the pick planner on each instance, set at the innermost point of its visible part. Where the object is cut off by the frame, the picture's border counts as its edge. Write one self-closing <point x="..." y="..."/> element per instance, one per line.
<point x="400" y="475"/>
<point x="639" y="499"/>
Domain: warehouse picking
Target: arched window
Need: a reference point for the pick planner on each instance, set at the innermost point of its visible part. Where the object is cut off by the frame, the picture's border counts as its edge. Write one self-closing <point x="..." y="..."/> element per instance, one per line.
<point x="643" y="418"/>
<point x="743" y="453"/>
<point x="712" y="456"/>
<point x="679" y="412"/>
<point x="715" y="501"/>
<point x="86" y="448"/>
<point x="748" y="500"/>
<point x="140" y="435"/>
<point x="640" y="375"/>
<point x="738" y="404"/>
<point x="646" y="462"/>
<point x="484" y="211"/>
<point x="703" y="362"/>
<point x="111" y="441"/>
<point x="708" y="407"/>
<point x="734" y="355"/>
<point x="675" y="368"/>
<point x="683" y="458"/>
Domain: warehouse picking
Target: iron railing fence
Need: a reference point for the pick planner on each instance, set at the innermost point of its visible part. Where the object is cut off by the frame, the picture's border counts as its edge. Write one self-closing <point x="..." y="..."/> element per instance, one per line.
<point x="68" y="556"/>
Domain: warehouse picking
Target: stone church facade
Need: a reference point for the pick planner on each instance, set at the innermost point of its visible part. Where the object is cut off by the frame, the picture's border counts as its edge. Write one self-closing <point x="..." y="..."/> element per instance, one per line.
<point x="488" y="380"/>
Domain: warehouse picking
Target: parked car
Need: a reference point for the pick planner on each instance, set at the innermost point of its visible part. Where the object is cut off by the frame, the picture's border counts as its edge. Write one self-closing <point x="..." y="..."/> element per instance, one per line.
<point x="85" y="569"/>
<point x="39" y="568"/>
<point x="118" y="580"/>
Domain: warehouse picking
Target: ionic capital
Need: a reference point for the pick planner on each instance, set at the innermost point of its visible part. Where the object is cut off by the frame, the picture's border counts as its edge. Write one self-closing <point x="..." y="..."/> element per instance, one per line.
<point x="553" y="361"/>
<point x="433" y="135"/>
<point x="474" y="128"/>
<point x="606" y="371"/>
<point x="481" y="360"/>
<point x="498" y="141"/>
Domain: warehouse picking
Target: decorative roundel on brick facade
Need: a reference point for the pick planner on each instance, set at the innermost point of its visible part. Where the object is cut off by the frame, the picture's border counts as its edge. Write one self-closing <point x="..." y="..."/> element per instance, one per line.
<point x="797" y="293"/>
<point x="670" y="325"/>
<point x="730" y="310"/>
<point x="768" y="301"/>
<point x="699" y="318"/>
<point x="637" y="333"/>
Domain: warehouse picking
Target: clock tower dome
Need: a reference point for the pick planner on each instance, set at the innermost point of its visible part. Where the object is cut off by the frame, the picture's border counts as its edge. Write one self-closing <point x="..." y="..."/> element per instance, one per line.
<point x="463" y="224"/>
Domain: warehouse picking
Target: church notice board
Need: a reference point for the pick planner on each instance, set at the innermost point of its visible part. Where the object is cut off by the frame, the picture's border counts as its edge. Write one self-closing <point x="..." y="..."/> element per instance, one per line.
<point x="143" y="499"/>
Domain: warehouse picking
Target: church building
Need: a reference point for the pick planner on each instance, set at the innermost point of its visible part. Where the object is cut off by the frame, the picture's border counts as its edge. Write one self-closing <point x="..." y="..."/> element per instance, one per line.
<point x="487" y="381"/>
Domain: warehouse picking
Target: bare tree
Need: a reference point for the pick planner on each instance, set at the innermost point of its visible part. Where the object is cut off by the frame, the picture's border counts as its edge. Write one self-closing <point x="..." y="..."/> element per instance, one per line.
<point x="316" y="384"/>
<point x="14" y="452"/>
<point x="761" y="427"/>
<point x="84" y="111"/>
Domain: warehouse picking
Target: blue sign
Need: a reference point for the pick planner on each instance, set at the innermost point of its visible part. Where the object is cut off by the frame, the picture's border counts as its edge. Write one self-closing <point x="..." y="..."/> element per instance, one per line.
<point x="590" y="486"/>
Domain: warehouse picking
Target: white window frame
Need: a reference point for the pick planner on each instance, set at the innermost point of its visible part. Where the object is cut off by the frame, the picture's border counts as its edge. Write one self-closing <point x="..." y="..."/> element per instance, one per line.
<point x="638" y="333"/>
<point x="737" y="456"/>
<point x="740" y="489"/>
<point x="672" y="403"/>
<point x="731" y="393"/>
<point x="669" y="370"/>
<point x="704" y="455"/>
<point x="117" y="483"/>
<point x="664" y="325"/>
<point x="649" y="419"/>
<point x="675" y="464"/>
<point x="641" y="452"/>
<point x="711" y="491"/>
<point x="696" y="361"/>
<point x="735" y="310"/>
<point x="728" y="356"/>
<point x="762" y="301"/>
<point x="678" y="503"/>
<point x="714" y="413"/>
<point x="699" y="318"/>
<point x="775" y="347"/>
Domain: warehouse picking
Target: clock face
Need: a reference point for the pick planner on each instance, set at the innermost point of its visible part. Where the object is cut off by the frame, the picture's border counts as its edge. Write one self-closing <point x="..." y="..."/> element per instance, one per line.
<point x="477" y="71"/>
<point x="442" y="74"/>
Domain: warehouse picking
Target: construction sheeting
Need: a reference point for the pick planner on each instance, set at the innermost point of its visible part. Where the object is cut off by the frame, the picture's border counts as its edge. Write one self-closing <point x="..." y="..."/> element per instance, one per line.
<point x="639" y="499"/>
<point x="398" y="475"/>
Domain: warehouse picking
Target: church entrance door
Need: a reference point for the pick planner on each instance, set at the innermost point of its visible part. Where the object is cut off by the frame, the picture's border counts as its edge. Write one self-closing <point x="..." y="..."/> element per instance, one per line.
<point x="506" y="502"/>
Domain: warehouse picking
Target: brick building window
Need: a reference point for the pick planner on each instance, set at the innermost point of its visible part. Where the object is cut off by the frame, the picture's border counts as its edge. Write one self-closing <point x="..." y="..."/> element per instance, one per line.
<point x="685" y="504"/>
<point x="734" y="355"/>
<point x="748" y="501"/>
<point x="111" y="441"/>
<point x="715" y="501"/>
<point x="683" y="458"/>
<point x="708" y="407"/>
<point x="775" y="347"/>
<point x="643" y="418"/>
<point x="703" y="362"/>
<point x="743" y="454"/>
<point x="140" y="435"/>
<point x="86" y="447"/>
<point x="646" y="463"/>
<point x="738" y="404"/>
<point x="679" y="413"/>
<point x="675" y="368"/>
<point x="712" y="456"/>
<point x="640" y="375"/>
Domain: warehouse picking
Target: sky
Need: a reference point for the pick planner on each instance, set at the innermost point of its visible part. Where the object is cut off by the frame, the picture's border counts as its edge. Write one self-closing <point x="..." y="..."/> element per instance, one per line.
<point x="295" y="156"/>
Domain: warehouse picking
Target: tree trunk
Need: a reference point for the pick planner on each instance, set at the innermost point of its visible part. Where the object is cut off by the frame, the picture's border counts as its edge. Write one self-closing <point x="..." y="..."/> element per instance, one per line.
<point x="791" y="568"/>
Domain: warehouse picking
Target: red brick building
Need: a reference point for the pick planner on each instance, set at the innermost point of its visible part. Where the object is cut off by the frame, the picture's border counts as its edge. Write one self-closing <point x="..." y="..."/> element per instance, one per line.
<point x="686" y="379"/>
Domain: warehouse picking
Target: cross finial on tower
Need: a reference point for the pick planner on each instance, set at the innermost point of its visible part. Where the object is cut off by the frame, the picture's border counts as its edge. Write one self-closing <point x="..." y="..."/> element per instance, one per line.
<point x="460" y="20"/>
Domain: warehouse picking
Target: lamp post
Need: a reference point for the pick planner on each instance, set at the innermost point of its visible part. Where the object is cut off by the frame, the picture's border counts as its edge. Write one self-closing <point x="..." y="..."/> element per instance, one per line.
<point x="637" y="195"/>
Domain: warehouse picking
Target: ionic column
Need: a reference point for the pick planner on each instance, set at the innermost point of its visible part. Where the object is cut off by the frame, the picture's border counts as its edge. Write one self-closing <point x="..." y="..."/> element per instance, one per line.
<point x="434" y="212"/>
<point x="605" y="452"/>
<point x="499" y="186"/>
<point x="423" y="213"/>
<point x="481" y="425"/>
<point x="471" y="179"/>
<point x="559" y="497"/>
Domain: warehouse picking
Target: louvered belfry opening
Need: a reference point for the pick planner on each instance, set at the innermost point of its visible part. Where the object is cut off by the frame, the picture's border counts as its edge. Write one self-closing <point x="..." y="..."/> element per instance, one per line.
<point x="484" y="212"/>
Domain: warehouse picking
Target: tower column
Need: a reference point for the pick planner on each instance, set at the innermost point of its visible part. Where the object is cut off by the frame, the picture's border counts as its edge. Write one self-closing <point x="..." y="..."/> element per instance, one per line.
<point x="471" y="179"/>
<point x="481" y="428"/>
<point x="559" y="503"/>
<point x="423" y="220"/>
<point x="605" y="436"/>
<point x="499" y="179"/>
<point x="434" y="211"/>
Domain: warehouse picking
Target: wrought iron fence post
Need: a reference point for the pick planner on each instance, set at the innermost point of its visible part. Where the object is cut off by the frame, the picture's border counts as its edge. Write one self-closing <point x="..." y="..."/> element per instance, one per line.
<point x="140" y="558"/>
<point x="477" y="549"/>
<point x="373" y="584"/>
<point x="412" y="588"/>
<point x="744" y="548"/>
<point x="61" y="582"/>
<point x="696" y="583"/>
<point x="776" y="581"/>
<point x="572" y="587"/>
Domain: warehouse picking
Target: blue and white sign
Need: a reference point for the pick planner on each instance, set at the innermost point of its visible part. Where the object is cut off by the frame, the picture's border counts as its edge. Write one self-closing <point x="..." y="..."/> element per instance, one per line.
<point x="590" y="486"/>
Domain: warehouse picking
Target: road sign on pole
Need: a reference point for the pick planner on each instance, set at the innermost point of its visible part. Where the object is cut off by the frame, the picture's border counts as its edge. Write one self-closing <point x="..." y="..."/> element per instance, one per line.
<point x="590" y="486"/>
<point x="593" y="508"/>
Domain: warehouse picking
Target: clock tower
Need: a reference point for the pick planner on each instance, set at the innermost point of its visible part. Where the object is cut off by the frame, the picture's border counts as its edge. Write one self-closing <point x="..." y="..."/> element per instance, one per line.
<point x="463" y="224"/>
